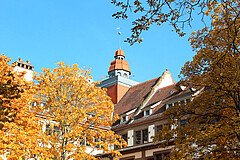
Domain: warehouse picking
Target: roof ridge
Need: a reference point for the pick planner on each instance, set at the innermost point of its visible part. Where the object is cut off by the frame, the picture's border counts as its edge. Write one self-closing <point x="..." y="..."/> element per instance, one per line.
<point x="145" y="82"/>
<point x="167" y="86"/>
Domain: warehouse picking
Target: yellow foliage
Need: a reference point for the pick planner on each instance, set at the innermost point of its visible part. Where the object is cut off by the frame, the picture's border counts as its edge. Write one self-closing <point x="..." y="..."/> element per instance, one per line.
<point x="80" y="113"/>
<point x="20" y="128"/>
<point x="212" y="129"/>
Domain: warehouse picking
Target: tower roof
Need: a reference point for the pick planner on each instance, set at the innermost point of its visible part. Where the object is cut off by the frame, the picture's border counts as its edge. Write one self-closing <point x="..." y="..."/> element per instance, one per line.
<point x="119" y="52"/>
<point x="25" y="65"/>
<point x="119" y="63"/>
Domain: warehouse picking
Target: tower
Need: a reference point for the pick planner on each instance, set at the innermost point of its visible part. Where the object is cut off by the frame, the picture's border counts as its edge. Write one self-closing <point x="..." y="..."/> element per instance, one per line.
<point x="24" y="66"/>
<point x="119" y="80"/>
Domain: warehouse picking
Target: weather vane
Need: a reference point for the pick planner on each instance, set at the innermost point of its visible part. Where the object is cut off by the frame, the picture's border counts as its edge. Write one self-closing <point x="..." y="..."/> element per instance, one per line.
<point x="119" y="33"/>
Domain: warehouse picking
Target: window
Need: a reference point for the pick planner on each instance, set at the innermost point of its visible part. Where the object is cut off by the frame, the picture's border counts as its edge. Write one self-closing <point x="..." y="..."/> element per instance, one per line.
<point x="138" y="137"/>
<point x="183" y="123"/>
<point x="141" y="137"/>
<point x="147" y="112"/>
<point x="124" y="136"/>
<point x="124" y="119"/>
<point x="159" y="128"/>
<point x="145" y="136"/>
<point x="162" y="156"/>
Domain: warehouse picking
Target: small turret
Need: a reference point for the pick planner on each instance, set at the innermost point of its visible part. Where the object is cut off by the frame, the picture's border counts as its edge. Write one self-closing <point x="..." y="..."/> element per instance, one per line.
<point x="119" y="67"/>
<point x="24" y="66"/>
<point x="118" y="82"/>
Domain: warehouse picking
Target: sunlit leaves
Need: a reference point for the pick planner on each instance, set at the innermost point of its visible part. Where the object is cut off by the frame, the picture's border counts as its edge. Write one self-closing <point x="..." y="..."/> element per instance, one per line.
<point x="20" y="128"/>
<point x="79" y="113"/>
<point x="212" y="131"/>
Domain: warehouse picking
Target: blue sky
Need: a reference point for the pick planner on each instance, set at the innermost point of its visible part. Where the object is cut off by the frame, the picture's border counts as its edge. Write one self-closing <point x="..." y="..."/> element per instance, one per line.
<point x="84" y="32"/>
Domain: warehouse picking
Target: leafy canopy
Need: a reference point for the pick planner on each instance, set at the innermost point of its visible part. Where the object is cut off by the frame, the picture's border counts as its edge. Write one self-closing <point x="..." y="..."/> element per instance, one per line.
<point x="20" y="128"/>
<point x="212" y="128"/>
<point x="78" y="114"/>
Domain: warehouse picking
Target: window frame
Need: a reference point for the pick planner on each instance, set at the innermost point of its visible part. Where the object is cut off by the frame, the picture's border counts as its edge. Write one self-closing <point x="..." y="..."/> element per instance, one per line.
<point x="141" y="139"/>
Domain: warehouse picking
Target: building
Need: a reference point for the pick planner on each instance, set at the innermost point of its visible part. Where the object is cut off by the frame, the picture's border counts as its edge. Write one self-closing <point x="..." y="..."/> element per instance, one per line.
<point x="24" y="67"/>
<point x="140" y="106"/>
<point x="119" y="80"/>
<point x="50" y="126"/>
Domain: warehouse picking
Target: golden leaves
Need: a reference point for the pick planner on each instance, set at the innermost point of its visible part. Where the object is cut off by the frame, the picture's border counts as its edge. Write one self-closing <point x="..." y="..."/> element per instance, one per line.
<point x="20" y="127"/>
<point x="80" y="111"/>
<point x="212" y="131"/>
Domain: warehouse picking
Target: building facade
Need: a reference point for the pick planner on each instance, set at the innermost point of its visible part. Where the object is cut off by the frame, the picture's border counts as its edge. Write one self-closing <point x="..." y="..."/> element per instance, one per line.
<point x="140" y="107"/>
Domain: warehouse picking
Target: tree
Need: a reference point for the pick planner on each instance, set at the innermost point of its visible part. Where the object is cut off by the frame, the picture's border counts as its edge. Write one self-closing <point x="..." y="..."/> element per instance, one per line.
<point x="79" y="114"/>
<point x="178" y="13"/>
<point x="20" y="128"/>
<point x="212" y="130"/>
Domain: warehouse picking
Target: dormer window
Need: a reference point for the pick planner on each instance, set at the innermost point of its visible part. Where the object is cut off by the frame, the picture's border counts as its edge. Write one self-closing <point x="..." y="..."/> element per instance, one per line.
<point x="147" y="112"/>
<point x="124" y="119"/>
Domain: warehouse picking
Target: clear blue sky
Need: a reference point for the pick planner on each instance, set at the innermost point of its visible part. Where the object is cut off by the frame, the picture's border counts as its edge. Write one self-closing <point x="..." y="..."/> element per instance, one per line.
<point x="84" y="32"/>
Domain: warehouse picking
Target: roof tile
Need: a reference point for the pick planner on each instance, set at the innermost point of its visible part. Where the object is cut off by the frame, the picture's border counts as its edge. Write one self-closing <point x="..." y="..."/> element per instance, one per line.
<point x="134" y="96"/>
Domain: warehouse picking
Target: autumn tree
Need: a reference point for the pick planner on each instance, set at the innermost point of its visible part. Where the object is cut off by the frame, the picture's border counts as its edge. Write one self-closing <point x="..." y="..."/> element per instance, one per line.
<point x="177" y="13"/>
<point x="20" y="128"/>
<point x="78" y="114"/>
<point x="212" y="130"/>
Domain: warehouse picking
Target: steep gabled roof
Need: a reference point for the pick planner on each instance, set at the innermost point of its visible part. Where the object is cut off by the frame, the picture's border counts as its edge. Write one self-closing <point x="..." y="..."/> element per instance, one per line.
<point x="134" y="96"/>
<point x="179" y="94"/>
<point x="162" y="94"/>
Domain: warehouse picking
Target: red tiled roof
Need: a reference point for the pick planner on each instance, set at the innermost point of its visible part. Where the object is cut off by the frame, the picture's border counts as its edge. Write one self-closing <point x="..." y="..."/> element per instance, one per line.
<point x="161" y="94"/>
<point x="119" y="64"/>
<point x="180" y="94"/>
<point x="134" y="96"/>
<point x="119" y="52"/>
